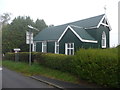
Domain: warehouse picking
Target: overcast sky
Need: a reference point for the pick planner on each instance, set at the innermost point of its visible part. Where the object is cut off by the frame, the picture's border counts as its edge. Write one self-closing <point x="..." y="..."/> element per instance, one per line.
<point x="59" y="12"/>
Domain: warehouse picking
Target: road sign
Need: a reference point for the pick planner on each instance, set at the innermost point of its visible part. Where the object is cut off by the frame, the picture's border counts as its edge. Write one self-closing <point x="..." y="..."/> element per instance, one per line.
<point x="16" y="50"/>
<point x="29" y="37"/>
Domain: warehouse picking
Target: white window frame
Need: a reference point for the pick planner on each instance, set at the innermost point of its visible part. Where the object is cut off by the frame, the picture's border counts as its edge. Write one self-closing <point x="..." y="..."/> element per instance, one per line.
<point x="56" y="47"/>
<point x="34" y="47"/>
<point x="103" y="41"/>
<point x="44" y="46"/>
<point x="69" y="48"/>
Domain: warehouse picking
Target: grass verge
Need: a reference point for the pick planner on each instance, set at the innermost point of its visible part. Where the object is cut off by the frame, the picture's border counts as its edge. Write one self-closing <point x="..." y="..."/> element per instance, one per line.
<point x="0" y="62"/>
<point x="36" y="69"/>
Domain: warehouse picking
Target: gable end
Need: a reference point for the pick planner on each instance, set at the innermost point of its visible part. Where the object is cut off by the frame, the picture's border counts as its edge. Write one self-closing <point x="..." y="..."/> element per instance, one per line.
<point x="106" y="23"/>
<point x="83" y="40"/>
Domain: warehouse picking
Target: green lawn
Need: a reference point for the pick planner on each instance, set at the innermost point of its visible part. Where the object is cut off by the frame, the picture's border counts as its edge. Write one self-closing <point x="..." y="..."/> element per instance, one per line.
<point x="37" y="69"/>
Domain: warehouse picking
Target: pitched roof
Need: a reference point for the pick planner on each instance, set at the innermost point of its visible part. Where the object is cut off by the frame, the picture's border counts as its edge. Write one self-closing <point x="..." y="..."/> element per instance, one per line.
<point x="83" y="33"/>
<point x="89" y="22"/>
<point x="54" y="33"/>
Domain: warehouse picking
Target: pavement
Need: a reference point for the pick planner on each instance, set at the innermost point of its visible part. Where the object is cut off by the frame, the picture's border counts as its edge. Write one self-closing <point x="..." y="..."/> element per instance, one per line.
<point x="14" y="80"/>
<point x="62" y="84"/>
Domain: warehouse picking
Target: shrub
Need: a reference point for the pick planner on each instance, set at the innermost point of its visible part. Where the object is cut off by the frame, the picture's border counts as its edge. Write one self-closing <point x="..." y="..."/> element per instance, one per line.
<point x="22" y="56"/>
<point x="97" y="65"/>
<point x="56" y="61"/>
<point x="9" y="56"/>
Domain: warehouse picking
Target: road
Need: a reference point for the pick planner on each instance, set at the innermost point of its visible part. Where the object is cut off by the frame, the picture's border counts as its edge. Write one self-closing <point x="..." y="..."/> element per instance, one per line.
<point x="12" y="79"/>
<point x="0" y="78"/>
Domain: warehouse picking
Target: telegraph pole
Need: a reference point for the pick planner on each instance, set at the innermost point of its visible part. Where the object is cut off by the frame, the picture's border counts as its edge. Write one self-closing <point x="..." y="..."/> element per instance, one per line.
<point x="30" y="47"/>
<point x="30" y="41"/>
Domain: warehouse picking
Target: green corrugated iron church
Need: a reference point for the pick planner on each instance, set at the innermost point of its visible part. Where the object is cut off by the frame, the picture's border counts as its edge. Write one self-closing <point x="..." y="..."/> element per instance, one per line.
<point x="67" y="38"/>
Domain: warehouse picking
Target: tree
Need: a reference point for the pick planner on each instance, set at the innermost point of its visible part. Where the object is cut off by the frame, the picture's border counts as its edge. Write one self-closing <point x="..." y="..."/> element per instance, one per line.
<point x="40" y="24"/>
<point x="4" y="18"/>
<point x="14" y="34"/>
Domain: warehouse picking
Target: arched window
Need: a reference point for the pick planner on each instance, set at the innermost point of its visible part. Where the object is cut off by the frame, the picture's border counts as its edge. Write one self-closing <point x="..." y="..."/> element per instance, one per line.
<point x="103" y="40"/>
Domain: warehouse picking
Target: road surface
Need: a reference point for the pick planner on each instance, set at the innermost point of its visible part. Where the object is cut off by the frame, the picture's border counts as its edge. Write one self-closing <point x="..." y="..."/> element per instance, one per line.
<point x="0" y="78"/>
<point x="13" y="79"/>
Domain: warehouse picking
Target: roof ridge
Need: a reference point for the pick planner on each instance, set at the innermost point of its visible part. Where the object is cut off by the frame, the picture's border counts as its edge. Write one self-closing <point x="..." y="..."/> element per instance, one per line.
<point x="85" y="19"/>
<point x="76" y="26"/>
<point x="78" y="21"/>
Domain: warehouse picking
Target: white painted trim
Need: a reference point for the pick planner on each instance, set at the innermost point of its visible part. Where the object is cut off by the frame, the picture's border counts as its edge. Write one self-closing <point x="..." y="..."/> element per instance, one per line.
<point x="44" y="45"/>
<point x="66" y="48"/>
<point x="63" y="33"/>
<point x="100" y="23"/>
<point x="105" y="24"/>
<point x="83" y="40"/>
<point x="103" y="46"/>
<point x="108" y="23"/>
<point x="34" y="47"/>
<point x="47" y="41"/>
<point x="56" y="48"/>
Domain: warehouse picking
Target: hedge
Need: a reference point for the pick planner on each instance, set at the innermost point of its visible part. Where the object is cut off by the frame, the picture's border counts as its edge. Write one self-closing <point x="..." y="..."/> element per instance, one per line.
<point x="9" y="56"/>
<point x="58" y="61"/>
<point x="95" y="65"/>
<point x="22" y="56"/>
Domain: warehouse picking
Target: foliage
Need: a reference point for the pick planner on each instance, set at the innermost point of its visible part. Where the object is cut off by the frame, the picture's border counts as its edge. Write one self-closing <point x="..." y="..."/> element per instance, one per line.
<point x="14" y="34"/>
<point x="4" y="18"/>
<point x="95" y="65"/>
<point x="98" y="65"/>
<point x="22" y="56"/>
<point x="57" y="61"/>
<point x="9" y="56"/>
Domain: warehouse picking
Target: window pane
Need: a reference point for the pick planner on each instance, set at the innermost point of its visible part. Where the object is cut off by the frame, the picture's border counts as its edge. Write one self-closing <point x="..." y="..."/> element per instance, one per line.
<point x="57" y="49"/>
<point x="70" y="48"/>
<point x="68" y="51"/>
<point x="44" y="48"/>
<point x="71" y="51"/>
<point x="72" y="45"/>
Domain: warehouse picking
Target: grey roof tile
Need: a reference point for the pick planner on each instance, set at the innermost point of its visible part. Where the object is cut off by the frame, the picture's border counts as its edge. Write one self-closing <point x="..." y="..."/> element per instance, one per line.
<point x="54" y="33"/>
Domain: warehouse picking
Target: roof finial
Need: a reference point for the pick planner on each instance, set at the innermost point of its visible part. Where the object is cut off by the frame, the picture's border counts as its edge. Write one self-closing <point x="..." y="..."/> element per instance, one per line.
<point x="105" y="9"/>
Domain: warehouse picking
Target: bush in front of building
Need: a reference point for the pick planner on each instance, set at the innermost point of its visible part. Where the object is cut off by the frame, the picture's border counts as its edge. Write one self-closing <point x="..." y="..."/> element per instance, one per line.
<point x="9" y="56"/>
<point x="20" y="56"/>
<point x="58" y="61"/>
<point x="23" y="56"/>
<point x="97" y="65"/>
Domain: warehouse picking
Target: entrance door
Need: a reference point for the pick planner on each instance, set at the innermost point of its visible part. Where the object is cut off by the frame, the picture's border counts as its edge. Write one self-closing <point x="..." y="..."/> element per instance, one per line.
<point x="69" y="48"/>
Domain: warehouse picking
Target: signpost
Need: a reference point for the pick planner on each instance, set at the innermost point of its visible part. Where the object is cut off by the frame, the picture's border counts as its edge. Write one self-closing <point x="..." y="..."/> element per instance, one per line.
<point x="29" y="40"/>
<point x="16" y="53"/>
